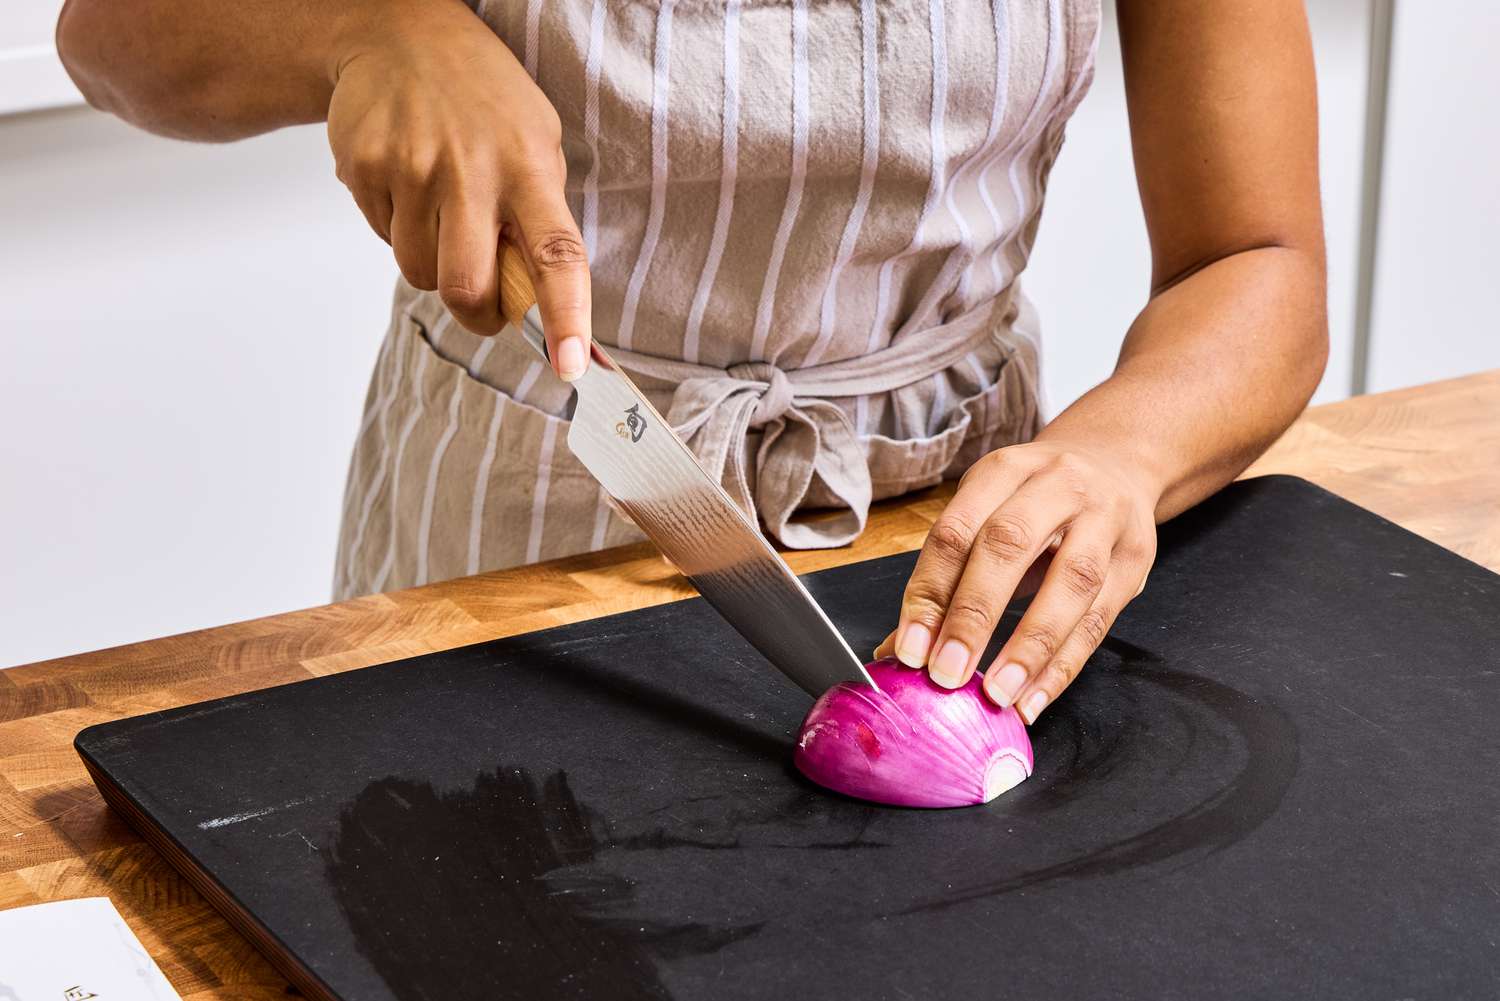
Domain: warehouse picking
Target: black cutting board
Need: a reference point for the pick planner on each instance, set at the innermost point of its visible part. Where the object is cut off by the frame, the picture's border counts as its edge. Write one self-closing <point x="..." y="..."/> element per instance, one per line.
<point x="1280" y="778"/>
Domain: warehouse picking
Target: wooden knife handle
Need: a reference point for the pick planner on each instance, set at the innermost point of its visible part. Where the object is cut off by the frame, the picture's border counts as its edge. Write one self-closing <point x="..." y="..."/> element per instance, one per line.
<point x="516" y="292"/>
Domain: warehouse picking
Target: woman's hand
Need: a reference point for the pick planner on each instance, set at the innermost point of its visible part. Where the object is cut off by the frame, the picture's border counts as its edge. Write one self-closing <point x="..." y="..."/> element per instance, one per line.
<point x="448" y="146"/>
<point x="1076" y="519"/>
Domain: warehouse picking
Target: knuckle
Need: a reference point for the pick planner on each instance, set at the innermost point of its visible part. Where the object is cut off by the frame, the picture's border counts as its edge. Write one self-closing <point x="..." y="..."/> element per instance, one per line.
<point x="1135" y="553"/>
<point x="1006" y="538"/>
<point x="1124" y="507"/>
<point x="1041" y="638"/>
<point x="998" y="459"/>
<point x="536" y="152"/>
<point x="545" y="134"/>
<point x="558" y="250"/>
<point x="356" y="177"/>
<point x="1068" y="463"/>
<point x="950" y="539"/>
<point x="1083" y="574"/>
<point x="924" y="602"/>
<point x="462" y="294"/>
<point x="990" y="464"/>
<point x="358" y="161"/>
<point x="1070" y="472"/>
<point x="1148" y="546"/>
<point x="1093" y="627"/>
<point x="966" y="615"/>
<point x="413" y="169"/>
<point x="532" y="158"/>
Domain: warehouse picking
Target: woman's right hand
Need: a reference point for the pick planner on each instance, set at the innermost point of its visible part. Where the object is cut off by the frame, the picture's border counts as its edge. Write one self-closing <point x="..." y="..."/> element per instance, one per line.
<point x="448" y="147"/>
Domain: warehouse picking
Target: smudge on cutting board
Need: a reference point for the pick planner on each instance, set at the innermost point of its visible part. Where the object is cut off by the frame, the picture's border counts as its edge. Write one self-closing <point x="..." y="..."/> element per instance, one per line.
<point x="492" y="892"/>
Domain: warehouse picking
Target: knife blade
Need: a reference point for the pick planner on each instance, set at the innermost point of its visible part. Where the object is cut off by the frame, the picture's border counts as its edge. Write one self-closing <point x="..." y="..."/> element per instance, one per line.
<point x="635" y="455"/>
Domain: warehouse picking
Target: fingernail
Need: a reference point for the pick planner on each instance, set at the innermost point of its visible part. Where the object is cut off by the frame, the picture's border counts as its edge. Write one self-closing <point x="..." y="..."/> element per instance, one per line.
<point x="570" y="358"/>
<point x="947" y="668"/>
<point x="912" y="645"/>
<point x="1035" y="703"/>
<point x="1005" y="684"/>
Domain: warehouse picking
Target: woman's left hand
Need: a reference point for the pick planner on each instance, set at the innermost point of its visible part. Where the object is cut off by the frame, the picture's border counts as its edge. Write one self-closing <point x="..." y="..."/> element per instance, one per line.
<point x="1076" y="522"/>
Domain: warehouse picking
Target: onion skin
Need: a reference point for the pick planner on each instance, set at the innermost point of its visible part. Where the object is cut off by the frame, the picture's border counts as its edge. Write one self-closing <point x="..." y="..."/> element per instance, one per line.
<point x="913" y="742"/>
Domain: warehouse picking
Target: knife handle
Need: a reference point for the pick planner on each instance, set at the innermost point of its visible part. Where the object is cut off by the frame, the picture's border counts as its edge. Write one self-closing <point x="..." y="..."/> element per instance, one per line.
<point x="518" y="300"/>
<point x="516" y="292"/>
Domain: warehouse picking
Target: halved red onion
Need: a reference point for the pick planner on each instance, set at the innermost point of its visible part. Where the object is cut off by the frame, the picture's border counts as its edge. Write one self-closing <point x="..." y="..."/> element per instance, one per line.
<point x="913" y="743"/>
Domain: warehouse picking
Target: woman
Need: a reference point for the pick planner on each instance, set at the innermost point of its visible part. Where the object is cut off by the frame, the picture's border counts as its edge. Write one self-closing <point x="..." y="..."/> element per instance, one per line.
<point x="800" y="227"/>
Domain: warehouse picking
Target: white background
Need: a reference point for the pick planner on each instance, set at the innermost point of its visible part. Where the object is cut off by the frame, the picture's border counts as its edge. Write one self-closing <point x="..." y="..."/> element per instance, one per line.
<point x="1437" y="294"/>
<point x="1091" y="269"/>
<point x="188" y="329"/>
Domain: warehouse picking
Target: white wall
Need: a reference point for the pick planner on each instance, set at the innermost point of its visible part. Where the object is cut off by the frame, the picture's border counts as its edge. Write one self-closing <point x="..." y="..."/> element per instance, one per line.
<point x="31" y="77"/>
<point x="188" y="332"/>
<point x="1091" y="270"/>
<point x="1436" y="304"/>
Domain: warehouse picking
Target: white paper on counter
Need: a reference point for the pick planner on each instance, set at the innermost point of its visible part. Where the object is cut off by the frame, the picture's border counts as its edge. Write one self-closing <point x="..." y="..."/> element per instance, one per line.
<point x="73" y="950"/>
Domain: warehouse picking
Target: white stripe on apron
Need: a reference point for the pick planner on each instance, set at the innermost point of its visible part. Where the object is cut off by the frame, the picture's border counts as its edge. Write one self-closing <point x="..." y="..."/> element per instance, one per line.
<point x="869" y="160"/>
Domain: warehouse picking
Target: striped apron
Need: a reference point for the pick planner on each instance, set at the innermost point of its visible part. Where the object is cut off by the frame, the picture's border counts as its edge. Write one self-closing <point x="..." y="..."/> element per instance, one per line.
<point x="805" y="222"/>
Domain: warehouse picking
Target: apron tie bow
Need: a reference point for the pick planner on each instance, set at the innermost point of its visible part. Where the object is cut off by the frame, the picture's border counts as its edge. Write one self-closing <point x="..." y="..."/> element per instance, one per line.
<point x="779" y="444"/>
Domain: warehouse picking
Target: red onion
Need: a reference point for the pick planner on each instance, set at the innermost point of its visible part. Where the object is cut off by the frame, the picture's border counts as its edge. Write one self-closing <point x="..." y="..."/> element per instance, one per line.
<point x="913" y="743"/>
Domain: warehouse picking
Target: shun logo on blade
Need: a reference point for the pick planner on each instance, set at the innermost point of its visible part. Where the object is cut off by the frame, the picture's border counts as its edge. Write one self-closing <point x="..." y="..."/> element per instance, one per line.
<point x="633" y="426"/>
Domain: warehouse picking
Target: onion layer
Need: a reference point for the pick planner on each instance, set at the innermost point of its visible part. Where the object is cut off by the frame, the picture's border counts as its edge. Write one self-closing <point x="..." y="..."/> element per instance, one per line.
<point x="913" y="742"/>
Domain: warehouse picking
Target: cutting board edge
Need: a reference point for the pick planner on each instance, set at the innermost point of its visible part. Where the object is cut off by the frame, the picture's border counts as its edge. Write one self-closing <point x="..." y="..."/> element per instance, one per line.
<point x="265" y="941"/>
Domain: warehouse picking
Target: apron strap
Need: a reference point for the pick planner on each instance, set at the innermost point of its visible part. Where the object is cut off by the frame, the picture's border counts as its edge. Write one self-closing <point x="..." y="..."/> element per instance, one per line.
<point x="911" y="357"/>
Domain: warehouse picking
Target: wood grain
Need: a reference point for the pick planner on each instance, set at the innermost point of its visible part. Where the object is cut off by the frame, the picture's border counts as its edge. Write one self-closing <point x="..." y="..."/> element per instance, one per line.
<point x="1427" y="458"/>
<point x="516" y="293"/>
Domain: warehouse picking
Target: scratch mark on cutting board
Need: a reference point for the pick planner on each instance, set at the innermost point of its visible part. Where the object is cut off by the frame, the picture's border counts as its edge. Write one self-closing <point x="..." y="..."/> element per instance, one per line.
<point x="286" y="834"/>
<point x="238" y="818"/>
<point x="1357" y="716"/>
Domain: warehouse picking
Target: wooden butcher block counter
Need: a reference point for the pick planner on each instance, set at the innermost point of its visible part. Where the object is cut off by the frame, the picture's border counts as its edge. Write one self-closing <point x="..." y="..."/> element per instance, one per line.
<point x="1427" y="458"/>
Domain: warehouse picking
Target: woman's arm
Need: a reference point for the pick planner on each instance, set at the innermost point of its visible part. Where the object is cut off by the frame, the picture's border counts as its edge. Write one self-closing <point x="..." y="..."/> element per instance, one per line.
<point x="192" y="69"/>
<point x="1223" y="120"/>
<point x="1231" y="344"/>
<point x="439" y="133"/>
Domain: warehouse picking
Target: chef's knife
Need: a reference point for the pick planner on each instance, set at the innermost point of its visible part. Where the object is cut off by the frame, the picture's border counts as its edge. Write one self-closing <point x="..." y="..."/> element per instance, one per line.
<point x="651" y="474"/>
